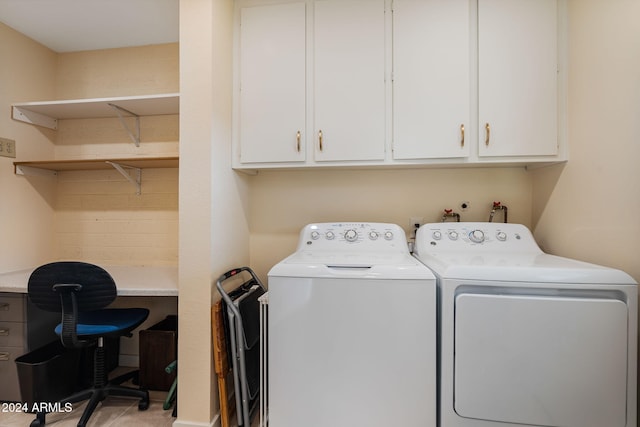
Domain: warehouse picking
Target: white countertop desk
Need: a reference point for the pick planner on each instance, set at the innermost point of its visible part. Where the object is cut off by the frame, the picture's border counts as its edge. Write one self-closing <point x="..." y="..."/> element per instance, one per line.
<point x="130" y="281"/>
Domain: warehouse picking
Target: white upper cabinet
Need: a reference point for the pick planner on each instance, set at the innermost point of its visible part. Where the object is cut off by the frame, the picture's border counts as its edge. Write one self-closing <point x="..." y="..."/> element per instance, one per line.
<point x="431" y="79"/>
<point x="399" y="83"/>
<point x="349" y="80"/>
<point x="272" y="101"/>
<point x="518" y="77"/>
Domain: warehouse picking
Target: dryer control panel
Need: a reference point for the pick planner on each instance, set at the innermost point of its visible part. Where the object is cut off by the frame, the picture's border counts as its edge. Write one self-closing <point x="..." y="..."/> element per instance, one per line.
<point x="353" y="236"/>
<point x="474" y="236"/>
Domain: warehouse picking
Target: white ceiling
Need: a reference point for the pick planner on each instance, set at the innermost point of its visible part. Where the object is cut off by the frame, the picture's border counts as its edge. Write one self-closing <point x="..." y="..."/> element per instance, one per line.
<point x="74" y="25"/>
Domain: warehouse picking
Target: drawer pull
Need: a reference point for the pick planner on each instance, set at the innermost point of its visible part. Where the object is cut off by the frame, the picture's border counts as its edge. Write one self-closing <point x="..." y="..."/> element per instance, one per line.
<point x="4" y="332"/>
<point x="4" y="356"/>
<point x="462" y="135"/>
<point x="4" y="306"/>
<point x="298" y="137"/>
<point x="320" y="140"/>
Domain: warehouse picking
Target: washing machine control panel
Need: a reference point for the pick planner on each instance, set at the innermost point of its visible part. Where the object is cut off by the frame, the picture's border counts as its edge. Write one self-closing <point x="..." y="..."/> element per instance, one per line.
<point x="474" y="236"/>
<point x="349" y="235"/>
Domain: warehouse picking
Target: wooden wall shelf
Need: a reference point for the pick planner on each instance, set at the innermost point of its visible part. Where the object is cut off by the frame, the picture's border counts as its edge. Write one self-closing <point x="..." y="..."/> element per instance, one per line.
<point x="130" y="168"/>
<point x="96" y="164"/>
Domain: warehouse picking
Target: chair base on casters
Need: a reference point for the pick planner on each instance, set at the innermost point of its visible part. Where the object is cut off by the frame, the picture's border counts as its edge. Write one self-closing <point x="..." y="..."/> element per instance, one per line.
<point x="97" y="395"/>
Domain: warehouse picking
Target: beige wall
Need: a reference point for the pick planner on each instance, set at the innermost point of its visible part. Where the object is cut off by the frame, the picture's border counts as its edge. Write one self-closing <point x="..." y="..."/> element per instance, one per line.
<point x="282" y="202"/>
<point x="590" y="208"/>
<point x="213" y="199"/>
<point x="26" y="205"/>
<point x="118" y="72"/>
<point x="99" y="218"/>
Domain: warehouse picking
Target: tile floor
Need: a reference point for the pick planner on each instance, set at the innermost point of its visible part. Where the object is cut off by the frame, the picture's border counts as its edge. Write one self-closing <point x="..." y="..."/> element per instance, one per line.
<point x="112" y="412"/>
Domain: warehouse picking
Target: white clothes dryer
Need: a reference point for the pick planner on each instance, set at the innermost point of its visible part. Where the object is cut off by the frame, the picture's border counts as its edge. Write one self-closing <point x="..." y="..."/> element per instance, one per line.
<point x="352" y="331"/>
<point x="527" y="338"/>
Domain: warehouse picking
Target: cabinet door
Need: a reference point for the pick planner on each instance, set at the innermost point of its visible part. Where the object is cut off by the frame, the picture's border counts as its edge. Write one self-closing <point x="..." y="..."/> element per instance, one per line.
<point x="431" y="78"/>
<point x="518" y="73"/>
<point x="272" y="83"/>
<point x="349" y="80"/>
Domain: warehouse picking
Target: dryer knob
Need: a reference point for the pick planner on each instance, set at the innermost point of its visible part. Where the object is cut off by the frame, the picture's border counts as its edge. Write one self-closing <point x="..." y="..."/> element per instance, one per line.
<point x="476" y="236"/>
<point x="502" y="236"/>
<point x="436" y="235"/>
<point x="388" y="235"/>
<point x="373" y="235"/>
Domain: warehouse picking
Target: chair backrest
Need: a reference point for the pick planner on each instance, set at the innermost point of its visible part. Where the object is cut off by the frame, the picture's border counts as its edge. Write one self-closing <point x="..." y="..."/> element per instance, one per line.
<point x="98" y="287"/>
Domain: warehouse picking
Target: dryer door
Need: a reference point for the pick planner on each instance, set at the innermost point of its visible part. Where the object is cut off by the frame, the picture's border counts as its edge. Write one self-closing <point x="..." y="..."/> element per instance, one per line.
<point x="541" y="360"/>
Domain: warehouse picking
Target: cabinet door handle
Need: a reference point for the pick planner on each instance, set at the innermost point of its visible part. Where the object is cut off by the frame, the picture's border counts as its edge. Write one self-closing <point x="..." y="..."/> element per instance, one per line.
<point x="4" y="332"/>
<point x="320" y="140"/>
<point x="487" y="127"/>
<point x="4" y="356"/>
<point x="298" y="137"/>
<point x="4" y="306"/>
<point x="462" y="135"/>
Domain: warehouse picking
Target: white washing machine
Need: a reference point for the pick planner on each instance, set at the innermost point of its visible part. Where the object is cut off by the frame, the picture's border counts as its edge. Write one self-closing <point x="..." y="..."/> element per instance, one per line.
<point x="352" y="331"/>
<point x="527" y="338"/>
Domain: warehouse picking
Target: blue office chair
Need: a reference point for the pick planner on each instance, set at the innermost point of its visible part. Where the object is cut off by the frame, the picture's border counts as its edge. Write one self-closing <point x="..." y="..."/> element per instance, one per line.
<point x="80" y="292"/>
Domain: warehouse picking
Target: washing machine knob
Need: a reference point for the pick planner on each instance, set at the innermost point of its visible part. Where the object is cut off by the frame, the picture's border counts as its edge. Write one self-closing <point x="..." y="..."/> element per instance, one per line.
<point x="373" y="235"/>
<point x="501" y="235"/>
<point x="351" y="235"/>
<point x="453" y="235"/>
<point x="388" y="235"/>
<point x="476" y="236"/>
<point x="436" y="235"/>
<point x="315" y="235"/>
<point x="329" y="235"/>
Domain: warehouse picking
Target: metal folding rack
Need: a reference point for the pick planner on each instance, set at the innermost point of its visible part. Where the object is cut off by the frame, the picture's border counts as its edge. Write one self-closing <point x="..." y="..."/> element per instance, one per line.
<point x="243" y="301"/>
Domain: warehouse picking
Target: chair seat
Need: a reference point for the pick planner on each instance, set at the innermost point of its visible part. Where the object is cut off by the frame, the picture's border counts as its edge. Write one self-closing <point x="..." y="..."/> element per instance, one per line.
<point x="108" y="321"/>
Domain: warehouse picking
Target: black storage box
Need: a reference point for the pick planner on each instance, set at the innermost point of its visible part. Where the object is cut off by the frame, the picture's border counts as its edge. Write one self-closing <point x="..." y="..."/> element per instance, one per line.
<point x="158" y="348"/>
<point x="47" y="374"/>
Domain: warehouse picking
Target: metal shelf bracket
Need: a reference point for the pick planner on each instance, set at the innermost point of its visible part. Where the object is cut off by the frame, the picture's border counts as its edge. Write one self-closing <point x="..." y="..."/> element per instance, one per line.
<point x="133" y="134"/>
<point x="135" y="180"/>
<point x="27" y="116"/>
<point x="33" y="171"/>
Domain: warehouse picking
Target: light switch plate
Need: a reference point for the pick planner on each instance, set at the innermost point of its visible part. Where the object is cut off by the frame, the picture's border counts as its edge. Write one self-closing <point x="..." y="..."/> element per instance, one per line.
<point x="7" y="147"/>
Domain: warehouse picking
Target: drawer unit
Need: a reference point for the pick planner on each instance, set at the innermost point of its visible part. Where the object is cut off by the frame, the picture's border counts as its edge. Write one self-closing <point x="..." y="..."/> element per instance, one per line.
<point x="12" y="308"/>
<point x="12" y="334"/>
<point x="10" y="390"/>
<point x="23" y="328"/>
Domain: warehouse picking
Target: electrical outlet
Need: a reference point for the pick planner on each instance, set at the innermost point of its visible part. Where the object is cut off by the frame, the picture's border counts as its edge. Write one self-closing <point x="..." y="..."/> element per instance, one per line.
<point x="7" y="147"/>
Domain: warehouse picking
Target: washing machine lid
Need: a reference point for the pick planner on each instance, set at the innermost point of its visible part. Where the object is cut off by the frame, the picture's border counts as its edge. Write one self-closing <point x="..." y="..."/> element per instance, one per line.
<point x="352" y="265"/>
<point x="523" y="267"/>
